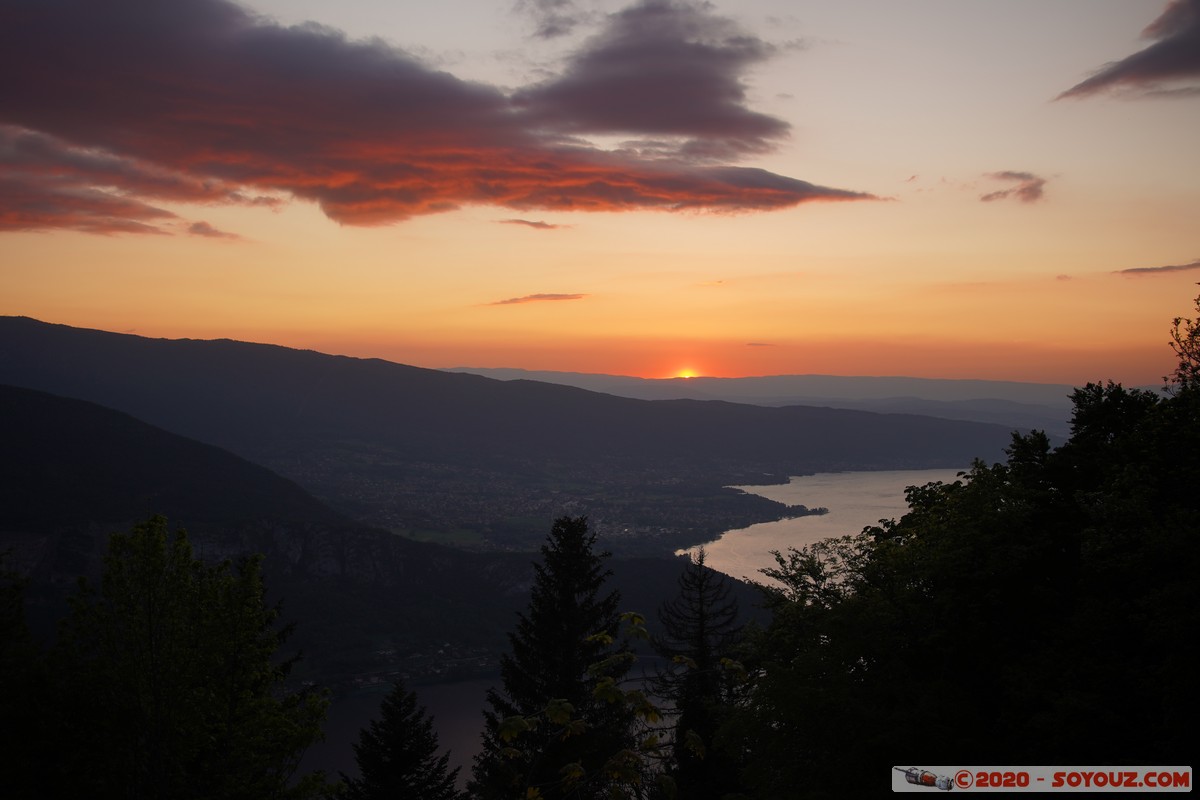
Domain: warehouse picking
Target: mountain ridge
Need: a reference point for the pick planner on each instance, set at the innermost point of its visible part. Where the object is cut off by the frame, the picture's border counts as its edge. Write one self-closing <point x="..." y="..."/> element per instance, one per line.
<point x="72" y="472"/>
<point x="411" y="449"/>
<point x="1019" y="404"/>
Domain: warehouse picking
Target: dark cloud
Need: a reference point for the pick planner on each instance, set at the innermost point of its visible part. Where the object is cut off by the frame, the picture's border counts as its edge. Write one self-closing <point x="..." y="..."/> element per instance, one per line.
<point x="1029" y="187"/>
<point x="204" y="229"/>
<point x="50" y="184"/>
<point x="537" y="298"/>
<point x="553" y="18"/>
<point x="32" y="205"/>
<point x="34" y="155"/>
<point x="666" y="68"/>
<point x="532" y="223"/>
<point x="1149" y="271"/>
<point x="1174" y="57"/>
<point x="126" y="102"/>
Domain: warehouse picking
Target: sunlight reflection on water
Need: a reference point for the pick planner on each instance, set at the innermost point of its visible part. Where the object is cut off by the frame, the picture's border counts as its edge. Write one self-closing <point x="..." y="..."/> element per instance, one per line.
<point x="854" y="499"/>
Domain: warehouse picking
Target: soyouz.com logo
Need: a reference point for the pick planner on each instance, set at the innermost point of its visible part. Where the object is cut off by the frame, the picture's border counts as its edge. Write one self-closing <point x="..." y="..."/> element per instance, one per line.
<point x="1043" y="779"/>
<point x="923" y="777"/>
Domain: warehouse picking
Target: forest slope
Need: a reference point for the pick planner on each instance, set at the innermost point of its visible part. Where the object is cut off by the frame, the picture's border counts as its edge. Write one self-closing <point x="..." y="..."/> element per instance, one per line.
<point x="416" y="450"/>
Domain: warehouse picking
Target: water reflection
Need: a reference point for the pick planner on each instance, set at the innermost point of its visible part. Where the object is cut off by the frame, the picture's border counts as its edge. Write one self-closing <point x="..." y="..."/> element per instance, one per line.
<point x="854" y="499"/>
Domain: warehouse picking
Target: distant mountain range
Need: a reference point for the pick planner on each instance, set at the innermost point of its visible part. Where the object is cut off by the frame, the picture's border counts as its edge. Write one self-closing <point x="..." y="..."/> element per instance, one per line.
<point x="1018" y="405"/>
<point x="72" y="472"/>
<point x="231" y="440"/>
<point x="484" y="462"/>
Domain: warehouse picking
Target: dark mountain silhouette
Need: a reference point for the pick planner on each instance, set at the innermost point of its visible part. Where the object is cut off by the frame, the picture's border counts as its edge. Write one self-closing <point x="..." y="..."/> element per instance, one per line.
<point x="71" y="472"/>
<point x="411" y="448"/>
<point x="366" y="604"/>
<point x="67" y="461"/>
<point x="1014" y="404"/>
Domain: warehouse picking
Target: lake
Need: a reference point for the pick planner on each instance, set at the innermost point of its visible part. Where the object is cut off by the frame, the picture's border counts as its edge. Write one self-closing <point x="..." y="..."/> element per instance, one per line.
<point x="456" y="708"/>
<point x="854" y="499"/>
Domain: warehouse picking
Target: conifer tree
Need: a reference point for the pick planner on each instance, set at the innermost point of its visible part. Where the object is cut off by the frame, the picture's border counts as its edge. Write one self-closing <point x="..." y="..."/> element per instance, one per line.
<point x="559" y="728"/>
<point x="167" y="682"/>
<point x="700" y="631"/>
<point x="397" y="755"/>
<point x="21" y="671"/>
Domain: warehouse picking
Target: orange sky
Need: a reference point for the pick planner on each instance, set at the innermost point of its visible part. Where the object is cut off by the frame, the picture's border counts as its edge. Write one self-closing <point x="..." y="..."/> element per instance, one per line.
<point x="943" y="190"/>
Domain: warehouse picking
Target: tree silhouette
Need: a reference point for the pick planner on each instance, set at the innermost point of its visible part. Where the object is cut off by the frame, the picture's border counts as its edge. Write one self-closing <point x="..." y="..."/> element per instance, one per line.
<point x="558" y="728"/>
<point x="1185" y="342"/>
<point x="700" y="631"/>
<point x="397" y="755"/>
<point x="21" y="675"/>
<point x="168" y="685"/>
<point x="1035" y="608"/>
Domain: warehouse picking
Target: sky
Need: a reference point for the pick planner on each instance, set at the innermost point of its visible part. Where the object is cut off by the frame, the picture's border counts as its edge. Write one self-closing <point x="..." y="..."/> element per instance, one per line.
<point x="934" y="188"/>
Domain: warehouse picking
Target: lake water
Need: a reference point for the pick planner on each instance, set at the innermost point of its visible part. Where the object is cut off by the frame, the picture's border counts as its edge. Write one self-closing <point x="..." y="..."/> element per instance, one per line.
<point x="456" y="708"/>
<point x="854" y="499"/>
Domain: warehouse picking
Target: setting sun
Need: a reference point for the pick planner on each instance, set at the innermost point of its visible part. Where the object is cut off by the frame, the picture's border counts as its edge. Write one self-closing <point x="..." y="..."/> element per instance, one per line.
<point x="686" y="373"/>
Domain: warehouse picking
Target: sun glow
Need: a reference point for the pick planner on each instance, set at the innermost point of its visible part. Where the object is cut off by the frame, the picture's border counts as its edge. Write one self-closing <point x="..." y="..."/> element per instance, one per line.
<point x="686" y="373"/>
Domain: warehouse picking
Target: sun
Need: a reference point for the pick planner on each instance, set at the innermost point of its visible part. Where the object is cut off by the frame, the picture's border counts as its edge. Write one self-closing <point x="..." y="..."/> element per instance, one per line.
<point x="686" y="372"/>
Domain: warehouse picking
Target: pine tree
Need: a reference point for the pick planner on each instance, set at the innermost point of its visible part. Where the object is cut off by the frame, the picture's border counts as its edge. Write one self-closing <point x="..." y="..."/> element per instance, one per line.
<point x="397" y="755"/>
<point x="559" y="728"/>
<point x="700" y="632"/>
<point x="21" y="674"/>
<point x="167" y="682"/>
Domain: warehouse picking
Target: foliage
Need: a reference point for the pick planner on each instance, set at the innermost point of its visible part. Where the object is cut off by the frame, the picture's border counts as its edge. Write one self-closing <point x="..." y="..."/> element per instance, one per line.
<point x="699" y="638"/>
<point x="168" y="683"/>
<point x="21" y="675"/>
<point x="397" y="755"/>
<point x="1185" y="342"/>
<point x="561" y="726"/>
<point x="1037" y="610"/>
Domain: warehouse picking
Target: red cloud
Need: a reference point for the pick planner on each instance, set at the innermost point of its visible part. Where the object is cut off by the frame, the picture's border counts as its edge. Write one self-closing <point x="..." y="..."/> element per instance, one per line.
<point x="110" y="105"/>
<point x="50" y="184"/>
<point x="31" y="205"/>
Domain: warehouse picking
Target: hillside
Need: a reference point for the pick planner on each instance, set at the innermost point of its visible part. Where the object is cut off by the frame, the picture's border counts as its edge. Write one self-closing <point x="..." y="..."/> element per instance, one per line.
<point x="439" y="454"/>
<point x="71" y="472"/>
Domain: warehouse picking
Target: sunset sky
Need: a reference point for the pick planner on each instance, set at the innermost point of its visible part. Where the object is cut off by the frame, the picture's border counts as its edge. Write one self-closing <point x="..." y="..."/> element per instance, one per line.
<point x="935" y="188"/>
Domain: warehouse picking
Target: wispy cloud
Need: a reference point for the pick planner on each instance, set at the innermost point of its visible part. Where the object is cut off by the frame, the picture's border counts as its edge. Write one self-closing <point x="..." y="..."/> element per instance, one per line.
<point x="49" y="183"/>
<point x="1029" y="187"/>
<point x="204" y="229"/>
<point x="532" y="223"/>
<point x="537" y="298"/>
<point x="1152" y="271"/>
<point x="553" y="18"/>
<point x="207" y="103"/>
<point x="36" y="205"/>
<point x="1156" y="70"/>
<point x="760" y="344"/>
